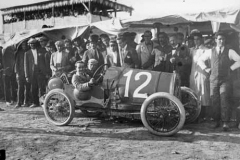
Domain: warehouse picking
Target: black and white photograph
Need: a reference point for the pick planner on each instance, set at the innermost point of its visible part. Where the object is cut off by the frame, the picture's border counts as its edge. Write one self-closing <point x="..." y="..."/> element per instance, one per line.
<point x="120" y="80"/>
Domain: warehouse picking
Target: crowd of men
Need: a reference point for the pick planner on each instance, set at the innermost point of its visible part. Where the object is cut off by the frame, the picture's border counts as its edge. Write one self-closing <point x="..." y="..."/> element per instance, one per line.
<point x="204" y="66"/>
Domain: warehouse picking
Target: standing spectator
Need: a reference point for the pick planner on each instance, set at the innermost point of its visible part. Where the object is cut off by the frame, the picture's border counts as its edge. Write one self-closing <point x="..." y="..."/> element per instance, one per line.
<point x="208" y="43"/>
<point x="1" y="75"/>
<point x="177" y="59"/>
<point x="59" y="62"/>
<point x="35" y="71"/>
<point x="199" y="79"/>
<point x="132" y="36"/>
<point x="8" y="75"/>
<point x="93" y="51"/>
<point x="113" y="58"/>
<point x="50" y="50"/>
<point x="220" y="69"/>
<point x="43" y="42"/>
<point x="79" y="48"/>
<point x="23" y="96"/>
<point x="128" y="54"/>
<point x="70" y="51"/>
<point x="145" y="49"/>
<point x="165" y="49"/>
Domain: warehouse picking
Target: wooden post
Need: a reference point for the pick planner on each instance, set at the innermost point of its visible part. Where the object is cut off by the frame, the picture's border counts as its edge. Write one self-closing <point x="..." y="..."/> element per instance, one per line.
<point x="24" y="16"/>
<point x="115" y="12"/>
<point x="90" y="11"/>
<point x="53" y="16"/>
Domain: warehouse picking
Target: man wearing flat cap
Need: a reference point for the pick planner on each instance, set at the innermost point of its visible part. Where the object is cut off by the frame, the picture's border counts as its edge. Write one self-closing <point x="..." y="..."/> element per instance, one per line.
<point x="93" y="51"/>
<point x="59" y="62"/>
<point x="35" y="71"/>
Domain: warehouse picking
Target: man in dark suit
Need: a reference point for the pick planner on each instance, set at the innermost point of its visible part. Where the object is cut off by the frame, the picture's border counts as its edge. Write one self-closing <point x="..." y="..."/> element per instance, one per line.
<point x="22" y="98"/>
<point x="8" y="75"/>
<point x="128" y="54"/>
<point x="177" y="59"/>
<point x="35" y="71"/>
<point x="93" y="52"/>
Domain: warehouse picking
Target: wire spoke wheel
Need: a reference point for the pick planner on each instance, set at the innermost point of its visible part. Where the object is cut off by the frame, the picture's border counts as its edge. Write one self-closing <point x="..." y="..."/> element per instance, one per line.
<point x="191" y="104"/>
<point x="162" y="114"/>
<point x="58" y="108"/>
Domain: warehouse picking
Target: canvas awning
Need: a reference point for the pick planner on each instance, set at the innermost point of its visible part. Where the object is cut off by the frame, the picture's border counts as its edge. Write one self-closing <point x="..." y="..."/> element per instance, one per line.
<point x="42" y="5"/>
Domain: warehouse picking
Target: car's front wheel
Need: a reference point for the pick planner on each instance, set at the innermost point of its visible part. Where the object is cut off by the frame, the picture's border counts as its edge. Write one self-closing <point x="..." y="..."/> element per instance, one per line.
<point x="58" y="107"/>
<point x="162" y="114"/>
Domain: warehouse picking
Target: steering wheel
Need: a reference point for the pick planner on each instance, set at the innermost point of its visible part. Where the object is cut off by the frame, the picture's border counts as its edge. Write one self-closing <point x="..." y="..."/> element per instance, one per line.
<point x="100" y="71"/>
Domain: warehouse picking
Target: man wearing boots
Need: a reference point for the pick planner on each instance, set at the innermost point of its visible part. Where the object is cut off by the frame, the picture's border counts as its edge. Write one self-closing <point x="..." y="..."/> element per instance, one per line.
<point x="222" y="62"/>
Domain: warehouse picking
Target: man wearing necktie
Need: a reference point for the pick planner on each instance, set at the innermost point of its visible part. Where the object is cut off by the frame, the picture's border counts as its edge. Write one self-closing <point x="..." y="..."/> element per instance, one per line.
<point x="222" y="62"/>
<point x="93" y="52"/>
<point x="128" y="54"/>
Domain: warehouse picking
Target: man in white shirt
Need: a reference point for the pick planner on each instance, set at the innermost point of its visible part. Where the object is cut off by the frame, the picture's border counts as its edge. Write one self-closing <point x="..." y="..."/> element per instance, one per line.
<point x="220" y="58"/>
<point x="145" y="49"/>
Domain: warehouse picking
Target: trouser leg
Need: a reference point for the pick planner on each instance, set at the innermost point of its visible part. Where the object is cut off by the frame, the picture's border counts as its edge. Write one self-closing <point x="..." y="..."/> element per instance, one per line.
<point x="224" y="95"/>
<point x="20" y="92"/>
<point x="34" y="90"/>
<point x="13" y="84"/>
<point x="27" y="95"/>
<point x="215" y="101"/>
<point x="41" y="85"/>
<point x="6" y="80"/>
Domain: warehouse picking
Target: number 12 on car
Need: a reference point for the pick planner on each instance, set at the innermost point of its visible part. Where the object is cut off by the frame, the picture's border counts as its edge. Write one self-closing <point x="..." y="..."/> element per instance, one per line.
<point x="143" y="78"/>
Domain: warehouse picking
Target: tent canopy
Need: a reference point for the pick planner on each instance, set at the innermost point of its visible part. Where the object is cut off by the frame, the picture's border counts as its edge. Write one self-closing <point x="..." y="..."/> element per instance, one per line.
<point x="229" y="15"/>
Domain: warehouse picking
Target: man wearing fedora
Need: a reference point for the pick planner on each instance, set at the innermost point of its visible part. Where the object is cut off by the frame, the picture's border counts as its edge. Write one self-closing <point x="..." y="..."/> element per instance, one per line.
<point x="128" y="54"/>
<point x="35" y="71"/>
<point x="93" y="51"/>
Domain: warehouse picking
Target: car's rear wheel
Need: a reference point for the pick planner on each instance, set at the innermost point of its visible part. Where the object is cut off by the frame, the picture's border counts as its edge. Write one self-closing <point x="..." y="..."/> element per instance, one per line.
<point x="58" y="107"/>
<point x="162" y="114"/>
<point x="89" y="113"/>
<point x="190" y="103"/>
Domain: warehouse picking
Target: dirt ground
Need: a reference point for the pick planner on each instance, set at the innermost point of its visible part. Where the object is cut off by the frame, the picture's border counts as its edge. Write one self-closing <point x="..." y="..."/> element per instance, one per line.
<point x="25" y="134"/>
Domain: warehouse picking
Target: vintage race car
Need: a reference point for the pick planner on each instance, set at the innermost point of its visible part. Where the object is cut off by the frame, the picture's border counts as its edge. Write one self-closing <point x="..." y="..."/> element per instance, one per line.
<point x="154" y="97"/>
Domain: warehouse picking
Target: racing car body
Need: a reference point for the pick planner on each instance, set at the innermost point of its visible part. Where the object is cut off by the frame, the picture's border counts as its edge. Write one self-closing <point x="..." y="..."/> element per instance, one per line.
<point x="154" y="96"/>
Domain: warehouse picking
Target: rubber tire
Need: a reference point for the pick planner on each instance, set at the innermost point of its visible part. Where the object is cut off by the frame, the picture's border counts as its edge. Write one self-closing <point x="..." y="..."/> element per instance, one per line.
<point x="89" y="114"/>
<point x="172" y="98"/>
<point x="72" y="109"/>
<point x="191" y="92"/>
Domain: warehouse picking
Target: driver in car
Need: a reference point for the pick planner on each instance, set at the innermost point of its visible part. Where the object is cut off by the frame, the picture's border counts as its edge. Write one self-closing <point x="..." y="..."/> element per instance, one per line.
<point x="81" y="80"/>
